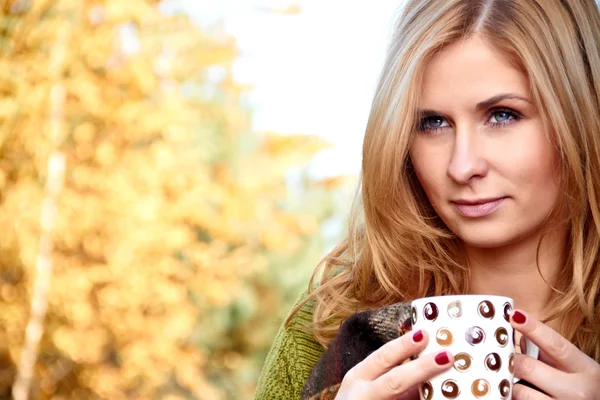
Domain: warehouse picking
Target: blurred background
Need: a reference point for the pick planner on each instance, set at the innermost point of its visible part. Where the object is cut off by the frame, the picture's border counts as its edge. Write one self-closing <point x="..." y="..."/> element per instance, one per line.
<point x="171" y="172"/>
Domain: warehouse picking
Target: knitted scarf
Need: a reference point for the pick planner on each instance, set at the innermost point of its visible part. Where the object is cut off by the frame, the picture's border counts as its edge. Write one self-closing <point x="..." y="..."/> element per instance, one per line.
<point x="359" y="336"/>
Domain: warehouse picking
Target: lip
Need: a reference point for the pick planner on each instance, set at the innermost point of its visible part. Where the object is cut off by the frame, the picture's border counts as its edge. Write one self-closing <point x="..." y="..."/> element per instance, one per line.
<point x="477" y="208"/>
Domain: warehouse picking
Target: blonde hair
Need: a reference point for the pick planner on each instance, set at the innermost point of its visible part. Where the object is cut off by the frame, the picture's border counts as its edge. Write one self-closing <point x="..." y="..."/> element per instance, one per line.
<point x="397" y="248"/>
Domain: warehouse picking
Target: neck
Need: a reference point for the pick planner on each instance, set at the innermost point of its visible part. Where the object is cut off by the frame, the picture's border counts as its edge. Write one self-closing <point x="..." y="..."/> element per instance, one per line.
<point x="519" y="271"/>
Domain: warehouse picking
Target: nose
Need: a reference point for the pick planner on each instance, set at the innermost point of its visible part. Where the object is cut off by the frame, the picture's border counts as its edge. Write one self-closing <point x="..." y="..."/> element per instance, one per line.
<point x="468" y="161"/>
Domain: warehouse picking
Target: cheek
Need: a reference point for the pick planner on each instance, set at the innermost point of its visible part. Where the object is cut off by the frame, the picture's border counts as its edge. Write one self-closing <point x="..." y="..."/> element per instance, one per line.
<point x="534" y="171"/>
<point x="430" y="170"/>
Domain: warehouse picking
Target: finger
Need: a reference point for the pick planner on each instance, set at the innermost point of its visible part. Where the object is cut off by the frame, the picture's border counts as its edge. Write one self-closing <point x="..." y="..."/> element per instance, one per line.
<point x="548" y="379"/>
<point x="390" y="355"/>
<point x="558" y="349"/>
<point x="522" y="392"/>
<point x="543" y="357"/>
<point x="401" y="378"/>
<point x="523" y="344"/>
<point x="410" y="394"/>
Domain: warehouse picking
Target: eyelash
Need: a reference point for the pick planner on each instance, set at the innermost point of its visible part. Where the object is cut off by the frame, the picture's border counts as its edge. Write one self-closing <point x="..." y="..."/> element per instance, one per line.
<point x="511" y="113"/>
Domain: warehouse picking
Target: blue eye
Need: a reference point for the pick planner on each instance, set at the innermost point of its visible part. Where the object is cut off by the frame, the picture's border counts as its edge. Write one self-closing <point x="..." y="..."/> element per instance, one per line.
<point x="502" y="116"/>
<point x="431" y="124"/>
<point x="505" y="119"/>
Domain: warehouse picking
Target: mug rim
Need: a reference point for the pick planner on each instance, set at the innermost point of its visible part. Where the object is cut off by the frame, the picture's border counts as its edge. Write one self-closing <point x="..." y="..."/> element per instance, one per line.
<point x="445" y="296"/>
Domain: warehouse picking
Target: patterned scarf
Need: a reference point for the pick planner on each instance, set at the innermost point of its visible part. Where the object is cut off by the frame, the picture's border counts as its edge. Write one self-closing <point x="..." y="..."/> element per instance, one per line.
<point x="359" y="336"/>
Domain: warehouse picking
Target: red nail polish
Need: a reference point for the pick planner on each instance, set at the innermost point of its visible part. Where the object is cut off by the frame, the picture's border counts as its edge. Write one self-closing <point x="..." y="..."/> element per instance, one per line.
<point x="442" y="358"/>
<point x="417" y="336"/>
<point x="519" y="318"/>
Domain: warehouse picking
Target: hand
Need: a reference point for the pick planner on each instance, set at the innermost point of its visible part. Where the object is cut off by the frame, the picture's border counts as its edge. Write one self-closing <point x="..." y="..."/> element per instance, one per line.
<point x="380" y="376"/>
<point x="563" y="371"/>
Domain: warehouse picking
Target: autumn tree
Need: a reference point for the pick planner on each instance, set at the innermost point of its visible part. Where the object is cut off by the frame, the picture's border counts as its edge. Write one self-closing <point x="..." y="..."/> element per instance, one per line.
<point x="171" y="213"/>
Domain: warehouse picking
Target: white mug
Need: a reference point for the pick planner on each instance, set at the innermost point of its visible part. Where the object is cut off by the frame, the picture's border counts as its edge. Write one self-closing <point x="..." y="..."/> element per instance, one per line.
<point x="476" y="330"/>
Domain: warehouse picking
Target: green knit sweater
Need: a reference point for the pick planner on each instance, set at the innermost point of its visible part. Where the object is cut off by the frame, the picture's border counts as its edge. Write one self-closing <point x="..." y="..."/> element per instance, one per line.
<point x="292" y="356"/>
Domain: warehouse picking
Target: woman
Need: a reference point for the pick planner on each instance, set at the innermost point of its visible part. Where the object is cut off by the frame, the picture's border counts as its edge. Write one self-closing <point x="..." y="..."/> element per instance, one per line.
<point x="481" y="174"/>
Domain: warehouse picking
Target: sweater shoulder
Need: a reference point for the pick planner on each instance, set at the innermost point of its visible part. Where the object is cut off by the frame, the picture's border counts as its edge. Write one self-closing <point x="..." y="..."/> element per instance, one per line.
<point x="293" y="354"/>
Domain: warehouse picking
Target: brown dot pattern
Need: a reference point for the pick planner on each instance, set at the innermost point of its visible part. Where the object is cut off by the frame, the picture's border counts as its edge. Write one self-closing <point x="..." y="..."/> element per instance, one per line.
<point x="501" y="336"/>
<point x="462" y="362"/>
<point x="431" y="311"/>
<point x="507" y="311"/>
<point x="450" y="389"/>
<point x="427" y="391"/>
<point x="493" y="362"/>
<point x="480" y="388"/>
<point x="474" y="335"/>
<point x="444" y="337"/>
<point x="486" y="309"/>
<point x="455" y="309"/>
<point x="504" y="389"/>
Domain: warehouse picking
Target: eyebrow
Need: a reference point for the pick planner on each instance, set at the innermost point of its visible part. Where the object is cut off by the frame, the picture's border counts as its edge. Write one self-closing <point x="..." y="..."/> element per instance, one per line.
<point x="486" y="103"/>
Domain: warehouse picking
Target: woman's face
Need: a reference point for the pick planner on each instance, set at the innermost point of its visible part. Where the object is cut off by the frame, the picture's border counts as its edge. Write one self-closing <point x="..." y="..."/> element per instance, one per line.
<point x="481" y="153"/>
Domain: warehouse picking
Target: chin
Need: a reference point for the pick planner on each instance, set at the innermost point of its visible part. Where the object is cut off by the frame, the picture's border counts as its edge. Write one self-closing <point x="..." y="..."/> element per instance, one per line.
<point x="487" y="237"/>
<point x="485" y="241"/>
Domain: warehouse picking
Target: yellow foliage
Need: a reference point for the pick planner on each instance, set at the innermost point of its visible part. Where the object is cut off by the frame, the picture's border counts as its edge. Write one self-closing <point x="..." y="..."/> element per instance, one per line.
<point x="163" y="218"/>
<point x="8" y="107"/>
<point x="128" y="11"/>
<point x="299" y="145"/>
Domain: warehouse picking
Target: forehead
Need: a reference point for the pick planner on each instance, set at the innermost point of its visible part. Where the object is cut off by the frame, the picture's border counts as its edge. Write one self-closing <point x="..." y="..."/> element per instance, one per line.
<point x="469" y="71"/>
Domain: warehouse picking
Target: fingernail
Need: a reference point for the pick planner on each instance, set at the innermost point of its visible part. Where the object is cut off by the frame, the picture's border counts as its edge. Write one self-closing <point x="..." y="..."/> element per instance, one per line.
<point x="442" y="358"/>
<point x="518" y="317"/>
<point x="417" y="336"/>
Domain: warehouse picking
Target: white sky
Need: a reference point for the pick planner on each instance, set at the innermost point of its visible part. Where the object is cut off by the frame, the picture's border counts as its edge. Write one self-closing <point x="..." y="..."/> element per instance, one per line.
<point x="312" y="73"/>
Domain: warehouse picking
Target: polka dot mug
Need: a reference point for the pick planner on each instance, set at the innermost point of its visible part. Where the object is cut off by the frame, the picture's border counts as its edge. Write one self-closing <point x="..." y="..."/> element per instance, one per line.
<point x="477" y="330"/>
